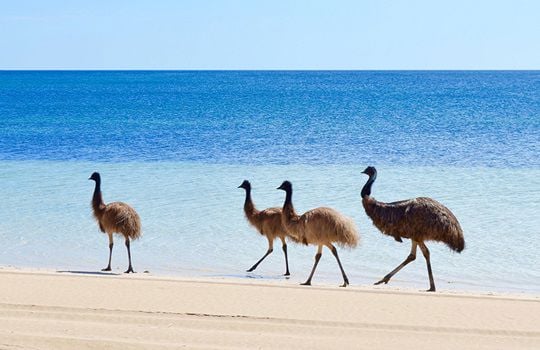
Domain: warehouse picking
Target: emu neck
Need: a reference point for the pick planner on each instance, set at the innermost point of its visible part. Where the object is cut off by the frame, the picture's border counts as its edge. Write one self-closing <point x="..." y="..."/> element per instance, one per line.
<point x="288" y="208"/>
<point x="97" y="199"/>
<point x="366" y="190"/>
<point x="249" y="207"/>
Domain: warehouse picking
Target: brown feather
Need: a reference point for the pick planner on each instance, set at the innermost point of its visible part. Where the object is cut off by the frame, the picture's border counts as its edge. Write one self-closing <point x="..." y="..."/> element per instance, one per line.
<point x="419" y="219"/>
<point x="119" y="217"/>
<point x="321" y="226"/>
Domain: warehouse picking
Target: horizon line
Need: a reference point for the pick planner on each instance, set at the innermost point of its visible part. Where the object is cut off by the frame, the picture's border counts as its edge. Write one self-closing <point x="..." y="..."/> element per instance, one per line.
<point x="259" y="70"/>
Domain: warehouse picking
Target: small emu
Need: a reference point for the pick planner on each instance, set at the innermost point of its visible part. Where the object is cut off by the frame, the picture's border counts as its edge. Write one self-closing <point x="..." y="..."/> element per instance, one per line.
<point x="116" y="217"/>
<point x="320" y="226"/>
<point x="419" y="219"/>
<point x="268" y="223"/>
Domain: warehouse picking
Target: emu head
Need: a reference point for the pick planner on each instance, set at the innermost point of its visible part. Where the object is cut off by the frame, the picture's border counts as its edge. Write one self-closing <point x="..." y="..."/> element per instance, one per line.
<point x="286" y="186"/>
<point x="95" y="176"/>
<point x="245" y="185"/>
<point x="370" y="171"/>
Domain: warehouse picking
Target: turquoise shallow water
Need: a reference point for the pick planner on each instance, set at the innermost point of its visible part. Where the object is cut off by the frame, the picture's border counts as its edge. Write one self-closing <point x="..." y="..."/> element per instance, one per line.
<point x="194" y="226"/>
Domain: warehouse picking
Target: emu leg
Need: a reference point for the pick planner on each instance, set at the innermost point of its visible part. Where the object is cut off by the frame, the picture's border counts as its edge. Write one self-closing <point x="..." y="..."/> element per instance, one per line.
<point x="410" y="258"/>
<point x="345" y="279"/>
<point x="108" y="268"/>
<point x="284" y="246"/>
<point x="130" y="268"/>
<point x="317" y="258"/>
<point x="425" y="252"/>
<point x="268" y="252"/>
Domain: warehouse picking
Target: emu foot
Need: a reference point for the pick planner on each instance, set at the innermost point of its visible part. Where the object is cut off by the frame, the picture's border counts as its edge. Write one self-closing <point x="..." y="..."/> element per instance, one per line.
<point x="384" y="280"/>
<point x="431" y="289"/>
<point x="306" y="283"/>
<point x="345" y="284"/>
<point x="130" y="269"/>
<point x="108" y="268"/>
<point x="251" y="269"/>
<point x="287" y="274"/>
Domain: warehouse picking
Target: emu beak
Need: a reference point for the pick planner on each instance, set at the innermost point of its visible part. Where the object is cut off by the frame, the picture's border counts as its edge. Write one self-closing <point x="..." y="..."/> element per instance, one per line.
<point x="279" y="188"/>
<point x="239" y="186"/>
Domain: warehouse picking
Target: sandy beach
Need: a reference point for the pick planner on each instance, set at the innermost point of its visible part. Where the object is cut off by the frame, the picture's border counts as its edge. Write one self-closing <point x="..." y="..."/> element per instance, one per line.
<point x="53" y="310"/>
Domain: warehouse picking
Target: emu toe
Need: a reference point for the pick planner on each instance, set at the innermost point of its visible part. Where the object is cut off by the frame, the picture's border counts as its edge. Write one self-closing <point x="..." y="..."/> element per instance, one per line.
<point x="108" y="268"/>
<point x="384" y="280"/>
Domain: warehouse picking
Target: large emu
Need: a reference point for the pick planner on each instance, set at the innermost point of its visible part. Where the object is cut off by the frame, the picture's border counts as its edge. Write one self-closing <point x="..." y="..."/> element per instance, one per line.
<point x="419" y="219"/>
<point x="268" y="223"/>
<point x="116" y="217"/>
<point x="319" y="226"/>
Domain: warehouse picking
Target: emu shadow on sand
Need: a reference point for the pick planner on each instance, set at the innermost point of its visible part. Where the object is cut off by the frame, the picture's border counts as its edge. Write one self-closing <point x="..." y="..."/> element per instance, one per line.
<point x="115" y="217"/>
<point x="419" y="219"/>
<point x="319" y="226"/>
<point x="268" y="223"/>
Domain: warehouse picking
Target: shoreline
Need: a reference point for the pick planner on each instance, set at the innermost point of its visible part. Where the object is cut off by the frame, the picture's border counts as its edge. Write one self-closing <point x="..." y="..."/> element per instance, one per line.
<point x="397" y="285"/>
<point x="53" y="310"/>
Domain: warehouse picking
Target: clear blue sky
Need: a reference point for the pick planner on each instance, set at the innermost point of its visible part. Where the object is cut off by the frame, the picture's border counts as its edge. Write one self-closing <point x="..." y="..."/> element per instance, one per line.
<point x="274" y="34"/>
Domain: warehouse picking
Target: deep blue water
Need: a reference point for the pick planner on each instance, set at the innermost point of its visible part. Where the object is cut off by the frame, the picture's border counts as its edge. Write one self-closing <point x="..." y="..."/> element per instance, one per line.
<point x="470" y="118"/>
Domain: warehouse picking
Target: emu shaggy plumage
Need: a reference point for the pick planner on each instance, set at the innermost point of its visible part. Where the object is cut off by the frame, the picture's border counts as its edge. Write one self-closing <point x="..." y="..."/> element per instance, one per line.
<point x="320" y="226"/>
<point x="118" y="217"/>
<point x="419" y="219"/>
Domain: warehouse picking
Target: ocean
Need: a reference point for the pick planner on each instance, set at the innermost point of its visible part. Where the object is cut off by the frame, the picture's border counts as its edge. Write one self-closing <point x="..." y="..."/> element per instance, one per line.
<point x="176" y="144"/>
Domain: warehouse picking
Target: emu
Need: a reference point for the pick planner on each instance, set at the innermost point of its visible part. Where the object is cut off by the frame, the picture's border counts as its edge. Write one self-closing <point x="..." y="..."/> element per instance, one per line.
<point x="115" y="217"/>
<point x="420" y="219"/>
<point x="321" y="227"/>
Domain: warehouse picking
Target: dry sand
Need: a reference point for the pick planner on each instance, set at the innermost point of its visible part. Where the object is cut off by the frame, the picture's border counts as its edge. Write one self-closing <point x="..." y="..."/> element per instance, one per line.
<point x="48" y="310"/>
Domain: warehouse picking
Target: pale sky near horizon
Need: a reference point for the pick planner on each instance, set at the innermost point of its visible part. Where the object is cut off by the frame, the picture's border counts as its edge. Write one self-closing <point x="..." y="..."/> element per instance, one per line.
<point x="244" y="34"/>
